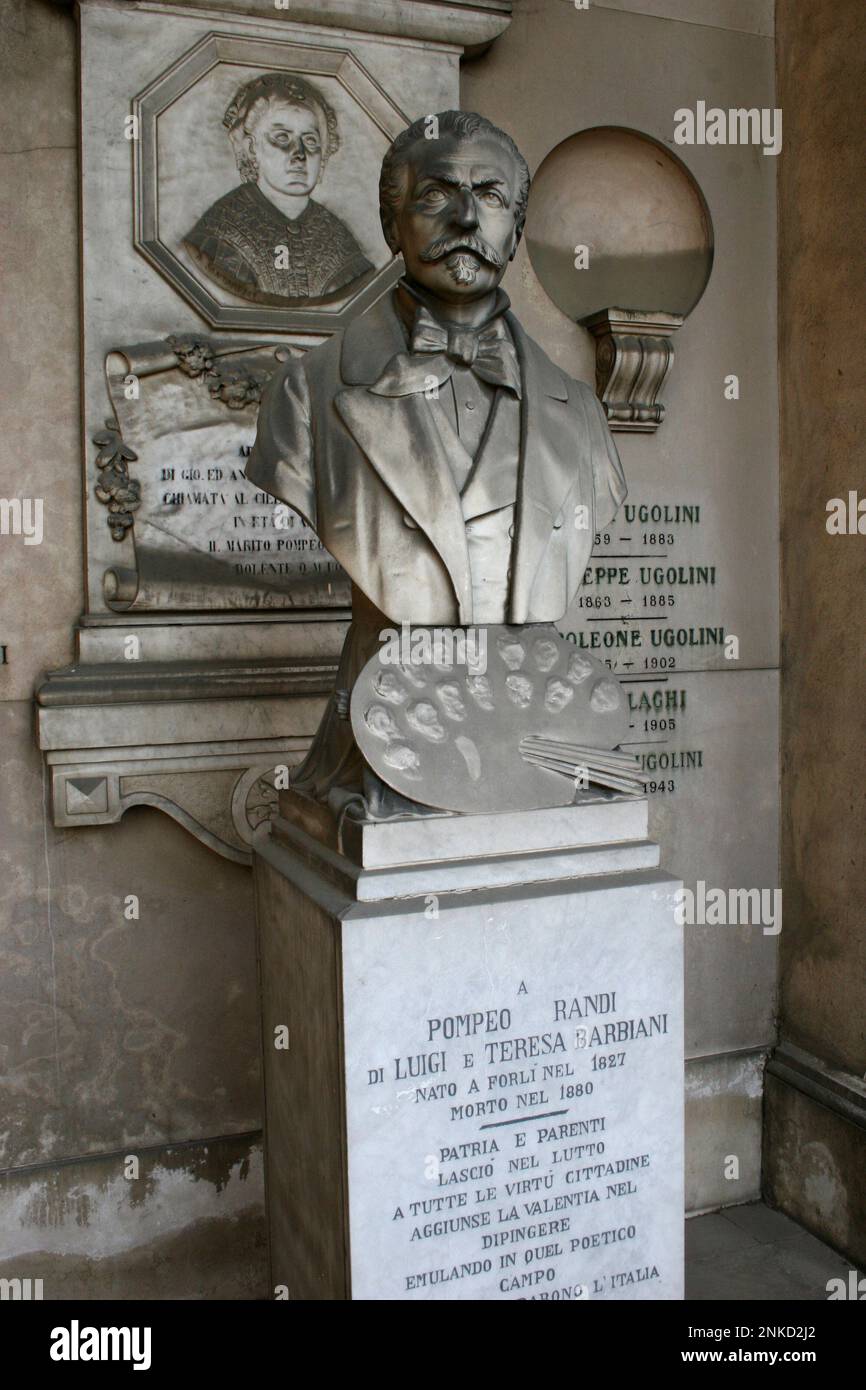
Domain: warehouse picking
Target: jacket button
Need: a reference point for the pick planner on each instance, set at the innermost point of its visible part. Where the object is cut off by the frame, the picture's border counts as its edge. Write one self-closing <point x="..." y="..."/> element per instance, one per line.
<point x="407" y="521"/>
<point x="557" y="523"/>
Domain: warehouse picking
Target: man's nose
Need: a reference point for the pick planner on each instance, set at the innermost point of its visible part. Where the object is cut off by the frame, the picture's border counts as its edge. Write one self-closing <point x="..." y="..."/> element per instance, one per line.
<point x="465" y="210"/>
<point x="297" y="152"/>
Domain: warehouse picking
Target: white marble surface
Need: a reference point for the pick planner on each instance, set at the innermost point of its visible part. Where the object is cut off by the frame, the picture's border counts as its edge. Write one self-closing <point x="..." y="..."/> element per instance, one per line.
<point x="482" y="1139"/>
<point x="220" y="636"/>
<point x="383" y="844"/>
<point x="468" y="869"/>
<point x="540" y="867"/>
<point x="445" y="21"/>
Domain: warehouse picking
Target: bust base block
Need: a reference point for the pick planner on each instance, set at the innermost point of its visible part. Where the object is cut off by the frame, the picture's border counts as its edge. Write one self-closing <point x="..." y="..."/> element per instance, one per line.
<point x="473" y="1063"/>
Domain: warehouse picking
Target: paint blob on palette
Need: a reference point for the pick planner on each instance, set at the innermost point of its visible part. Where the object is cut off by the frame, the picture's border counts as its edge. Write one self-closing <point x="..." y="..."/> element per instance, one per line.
<point x="444" y="725"/>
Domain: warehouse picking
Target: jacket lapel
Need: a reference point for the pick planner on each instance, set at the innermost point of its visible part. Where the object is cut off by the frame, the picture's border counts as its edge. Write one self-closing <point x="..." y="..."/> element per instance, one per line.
<point x="400" y="438"/>
<point x="549" y="468"/>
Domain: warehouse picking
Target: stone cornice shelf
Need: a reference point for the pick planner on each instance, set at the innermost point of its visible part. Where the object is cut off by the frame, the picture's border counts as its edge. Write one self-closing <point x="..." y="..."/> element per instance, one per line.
<point x="199" y="740"/>
<point x="840" y="1091"/>
<point x="118" y="683"/>
<point x="468" y="24"/>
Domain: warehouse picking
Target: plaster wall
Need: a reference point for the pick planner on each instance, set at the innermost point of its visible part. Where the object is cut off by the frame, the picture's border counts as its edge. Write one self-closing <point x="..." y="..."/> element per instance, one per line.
<point x="117" y="1036"/>
<point x="815" y="1122"/>
<point x="822" y="358"/>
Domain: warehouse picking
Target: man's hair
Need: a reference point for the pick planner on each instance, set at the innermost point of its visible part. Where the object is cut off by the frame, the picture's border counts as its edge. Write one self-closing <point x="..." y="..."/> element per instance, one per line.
<point x="465" y="124"/>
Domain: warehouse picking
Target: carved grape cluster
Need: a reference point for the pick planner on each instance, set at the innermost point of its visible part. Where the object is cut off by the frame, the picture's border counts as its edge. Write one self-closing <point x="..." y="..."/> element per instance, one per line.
<point x="115" y="488"/>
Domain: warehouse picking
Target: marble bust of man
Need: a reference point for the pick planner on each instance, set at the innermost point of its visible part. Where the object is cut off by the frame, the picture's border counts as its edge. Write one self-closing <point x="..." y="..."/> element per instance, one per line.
<point x="454" y="471"/>
<point x="269" y="240"/>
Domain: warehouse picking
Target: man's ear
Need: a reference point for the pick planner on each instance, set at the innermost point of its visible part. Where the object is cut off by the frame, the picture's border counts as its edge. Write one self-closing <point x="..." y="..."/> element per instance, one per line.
<point x="389" y="231"/>
<point x="518" y="233"/>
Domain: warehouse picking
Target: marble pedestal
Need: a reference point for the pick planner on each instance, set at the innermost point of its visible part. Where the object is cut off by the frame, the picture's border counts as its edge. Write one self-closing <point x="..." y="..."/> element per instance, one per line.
<point x="473" y="1058"/>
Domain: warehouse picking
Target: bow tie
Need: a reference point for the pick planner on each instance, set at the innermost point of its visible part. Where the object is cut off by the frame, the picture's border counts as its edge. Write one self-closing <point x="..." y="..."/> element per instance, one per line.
<point x="435" y="351"/>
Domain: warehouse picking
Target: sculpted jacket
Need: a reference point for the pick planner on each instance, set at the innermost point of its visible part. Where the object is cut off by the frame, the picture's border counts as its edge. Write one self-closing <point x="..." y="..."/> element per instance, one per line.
<point x="371" y="476"/>
<point x="370" y="473"/>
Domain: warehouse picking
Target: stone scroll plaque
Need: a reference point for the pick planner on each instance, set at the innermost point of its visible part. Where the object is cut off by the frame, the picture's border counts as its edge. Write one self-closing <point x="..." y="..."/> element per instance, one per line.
<point x="514" y="1097"/>
<point x="170" y="472"/>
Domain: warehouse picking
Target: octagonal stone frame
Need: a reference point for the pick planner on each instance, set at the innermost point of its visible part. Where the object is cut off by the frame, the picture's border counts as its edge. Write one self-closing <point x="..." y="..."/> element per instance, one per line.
<point x="185" y="73"/>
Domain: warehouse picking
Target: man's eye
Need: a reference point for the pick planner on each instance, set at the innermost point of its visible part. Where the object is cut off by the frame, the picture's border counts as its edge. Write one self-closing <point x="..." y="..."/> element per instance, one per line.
<point x="433" y="195"/>
<point x="311" y="145"/>
<point x="492" y="199"/>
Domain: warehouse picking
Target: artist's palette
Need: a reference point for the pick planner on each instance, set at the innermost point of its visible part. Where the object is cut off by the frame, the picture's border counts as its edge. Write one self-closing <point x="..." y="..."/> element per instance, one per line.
<point x="442" y="722"/>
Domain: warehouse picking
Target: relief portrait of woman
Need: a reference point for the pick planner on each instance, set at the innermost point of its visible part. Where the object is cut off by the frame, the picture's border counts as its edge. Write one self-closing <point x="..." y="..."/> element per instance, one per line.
<point x="269" y="240"/>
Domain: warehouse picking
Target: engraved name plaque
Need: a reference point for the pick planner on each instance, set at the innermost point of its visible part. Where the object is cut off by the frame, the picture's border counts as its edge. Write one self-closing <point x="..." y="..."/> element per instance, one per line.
<point x="514" y="1094"/>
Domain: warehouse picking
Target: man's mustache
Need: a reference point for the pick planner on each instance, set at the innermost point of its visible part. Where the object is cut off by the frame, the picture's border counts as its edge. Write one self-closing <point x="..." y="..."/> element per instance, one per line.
<point x="438" y="250"/>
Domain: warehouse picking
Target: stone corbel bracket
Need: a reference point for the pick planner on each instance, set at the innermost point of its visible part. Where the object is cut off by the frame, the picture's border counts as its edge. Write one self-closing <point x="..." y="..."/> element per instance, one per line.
<point x="200" y="741"/>
<point x="633" y="357"/>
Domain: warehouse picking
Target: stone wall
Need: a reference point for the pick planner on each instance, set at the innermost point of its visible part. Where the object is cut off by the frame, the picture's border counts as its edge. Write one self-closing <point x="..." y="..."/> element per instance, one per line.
<point x="815" y="1156"/>
<point x="117" y="1037"/>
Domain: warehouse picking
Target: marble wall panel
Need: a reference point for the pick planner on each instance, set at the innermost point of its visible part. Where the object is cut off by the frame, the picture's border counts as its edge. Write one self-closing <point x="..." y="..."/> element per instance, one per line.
<point x="136" y="303"/>
<point x="714" y="811"/>
<point x="711" y="468"/>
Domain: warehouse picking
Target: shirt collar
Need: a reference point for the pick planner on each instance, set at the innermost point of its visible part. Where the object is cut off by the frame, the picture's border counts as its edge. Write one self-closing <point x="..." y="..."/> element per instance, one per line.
<point x="409" y="297"/>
